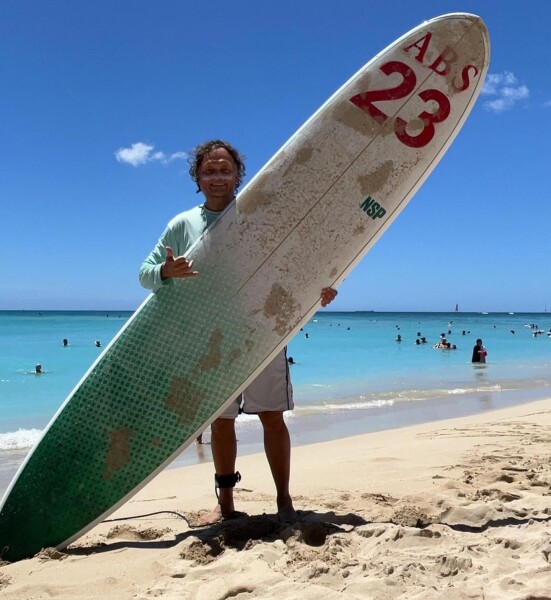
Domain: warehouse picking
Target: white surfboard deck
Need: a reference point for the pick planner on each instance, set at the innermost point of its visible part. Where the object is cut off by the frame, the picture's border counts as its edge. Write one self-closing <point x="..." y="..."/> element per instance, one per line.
<point x="301" y="224"/>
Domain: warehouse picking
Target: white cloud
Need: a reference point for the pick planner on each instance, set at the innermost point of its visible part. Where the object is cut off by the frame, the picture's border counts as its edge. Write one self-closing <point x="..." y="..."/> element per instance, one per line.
<point x="139" y="154"/>
<point x="160" y="156"/>
<point x="506" y="89"/>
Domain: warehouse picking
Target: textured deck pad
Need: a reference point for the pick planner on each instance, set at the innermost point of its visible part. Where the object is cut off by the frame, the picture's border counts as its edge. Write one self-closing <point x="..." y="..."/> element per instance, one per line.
<point x="301" y="224"/>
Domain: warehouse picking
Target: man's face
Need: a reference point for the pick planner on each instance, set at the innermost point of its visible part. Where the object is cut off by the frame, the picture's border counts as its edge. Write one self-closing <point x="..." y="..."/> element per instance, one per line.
<point x="217" y="178"/>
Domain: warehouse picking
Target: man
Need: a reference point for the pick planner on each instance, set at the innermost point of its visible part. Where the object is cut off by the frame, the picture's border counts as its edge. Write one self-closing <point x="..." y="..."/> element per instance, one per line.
<point x="218" y="170"/>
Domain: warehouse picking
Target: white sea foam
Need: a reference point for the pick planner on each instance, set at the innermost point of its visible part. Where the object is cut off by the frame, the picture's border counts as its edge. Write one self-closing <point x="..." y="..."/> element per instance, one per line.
<point x="247" y="418"/>
<point x="359" y="405"/>
<point x="23" y="439"/>
<point x="329" y="407"/>
<point x="483" y="388"/>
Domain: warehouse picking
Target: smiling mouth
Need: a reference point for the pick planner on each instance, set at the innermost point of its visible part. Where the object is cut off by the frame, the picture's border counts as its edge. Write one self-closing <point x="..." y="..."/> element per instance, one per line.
<point x="220" y="188"/>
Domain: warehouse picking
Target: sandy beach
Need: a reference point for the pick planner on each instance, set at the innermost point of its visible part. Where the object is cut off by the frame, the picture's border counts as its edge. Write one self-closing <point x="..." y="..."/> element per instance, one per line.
<point x="454" y="509"/>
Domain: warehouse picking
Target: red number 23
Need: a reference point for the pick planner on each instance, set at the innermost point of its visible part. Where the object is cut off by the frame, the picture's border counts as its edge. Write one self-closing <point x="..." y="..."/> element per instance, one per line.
<point x="404" y="88"/>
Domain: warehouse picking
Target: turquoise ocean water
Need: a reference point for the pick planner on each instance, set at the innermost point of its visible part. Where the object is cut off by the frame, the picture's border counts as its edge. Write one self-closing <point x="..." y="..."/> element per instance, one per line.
<point x="350" y="375"/>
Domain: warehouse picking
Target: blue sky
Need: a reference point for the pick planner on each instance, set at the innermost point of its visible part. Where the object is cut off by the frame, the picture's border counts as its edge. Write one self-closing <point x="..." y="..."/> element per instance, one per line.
<point x="101" y="101"/>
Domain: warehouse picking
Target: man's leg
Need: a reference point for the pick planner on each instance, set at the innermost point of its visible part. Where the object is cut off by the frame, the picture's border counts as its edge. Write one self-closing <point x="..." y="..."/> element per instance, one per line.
<point x="277" y="444"/>
<point x="224" y="452"/>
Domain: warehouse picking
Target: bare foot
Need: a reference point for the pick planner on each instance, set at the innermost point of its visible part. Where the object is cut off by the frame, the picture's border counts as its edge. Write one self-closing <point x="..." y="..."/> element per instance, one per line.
<point x="287" y="514"/>
<point x="214" y="516"/>
<point x="217" y="514"/>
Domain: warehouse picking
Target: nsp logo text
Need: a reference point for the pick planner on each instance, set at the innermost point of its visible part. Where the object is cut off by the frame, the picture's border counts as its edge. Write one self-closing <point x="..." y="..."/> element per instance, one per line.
<point x="372" y="209"/>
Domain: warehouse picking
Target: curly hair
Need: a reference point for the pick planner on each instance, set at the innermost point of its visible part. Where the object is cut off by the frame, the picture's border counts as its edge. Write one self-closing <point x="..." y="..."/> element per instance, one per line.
<point x="197" y="155"/>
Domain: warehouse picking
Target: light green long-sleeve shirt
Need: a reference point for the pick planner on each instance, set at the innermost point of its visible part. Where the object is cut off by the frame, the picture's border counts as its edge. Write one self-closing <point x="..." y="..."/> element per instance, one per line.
<point x="180" y="234"/>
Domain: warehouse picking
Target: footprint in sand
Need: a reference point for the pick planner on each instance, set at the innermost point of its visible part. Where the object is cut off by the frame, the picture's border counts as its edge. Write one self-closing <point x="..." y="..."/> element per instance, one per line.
<point x="201" y="552"/>
<point x="127" y="532"/>
<point x="452" y="565"/>
<point x="495" y="494"/>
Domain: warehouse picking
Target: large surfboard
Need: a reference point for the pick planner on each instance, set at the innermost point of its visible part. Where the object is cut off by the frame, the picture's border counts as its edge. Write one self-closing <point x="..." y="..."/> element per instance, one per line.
<point x="301" y="224"/>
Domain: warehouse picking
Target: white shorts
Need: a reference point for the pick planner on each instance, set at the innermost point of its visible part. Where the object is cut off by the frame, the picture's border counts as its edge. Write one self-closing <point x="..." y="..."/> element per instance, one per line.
<point x="270" y="391"/>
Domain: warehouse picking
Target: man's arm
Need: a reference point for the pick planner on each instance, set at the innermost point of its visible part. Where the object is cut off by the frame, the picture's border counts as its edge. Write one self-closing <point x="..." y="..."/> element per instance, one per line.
<point x="151" y="276"/>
